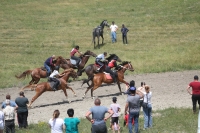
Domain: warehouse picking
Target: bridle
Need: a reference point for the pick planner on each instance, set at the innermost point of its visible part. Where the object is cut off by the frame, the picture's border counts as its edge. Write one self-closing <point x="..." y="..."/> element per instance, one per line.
<point x="127" y="67"/>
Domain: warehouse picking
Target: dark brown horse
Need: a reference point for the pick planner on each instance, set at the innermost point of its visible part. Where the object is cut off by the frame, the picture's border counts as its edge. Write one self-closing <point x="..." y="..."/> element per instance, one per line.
<point x="100" y="78"/>
<point x="91" y="69"/>
<point x="84" y="60"/>
<point x="38" y="73"/>
<point x="45" y="86"/>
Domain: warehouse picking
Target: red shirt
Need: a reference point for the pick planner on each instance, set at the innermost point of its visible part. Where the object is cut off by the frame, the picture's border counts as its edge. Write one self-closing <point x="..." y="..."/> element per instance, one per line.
<point x="195" y="87"/>
<point x="111" y="64"/>
<point x="73" y="52"/>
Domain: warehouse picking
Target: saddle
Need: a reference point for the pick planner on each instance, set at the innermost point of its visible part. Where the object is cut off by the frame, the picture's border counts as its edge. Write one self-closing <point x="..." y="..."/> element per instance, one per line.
<point x="43" y="68"/>
<point x="73" y="62"/>
<point x="107" y="75"/>
<point x="52" y="84"/>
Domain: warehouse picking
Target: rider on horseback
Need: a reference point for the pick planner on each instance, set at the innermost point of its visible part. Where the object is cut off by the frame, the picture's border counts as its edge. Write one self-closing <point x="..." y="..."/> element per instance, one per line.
<point x="99" y="59"/>
<point x="73" y="52"/>
<point x="53" y="78"/>
<point x="48" y="63"/>
<point x="112" y="64"/>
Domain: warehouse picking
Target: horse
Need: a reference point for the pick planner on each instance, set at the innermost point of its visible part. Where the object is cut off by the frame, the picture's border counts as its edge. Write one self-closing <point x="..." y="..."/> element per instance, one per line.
<point x="98" y="31"/>
<point x="91" y="69"/>
<point x="38" y="73"/>
<point x="100" y="78"/>
<point x="84" y="60"/>
<point x="46" y="86"/>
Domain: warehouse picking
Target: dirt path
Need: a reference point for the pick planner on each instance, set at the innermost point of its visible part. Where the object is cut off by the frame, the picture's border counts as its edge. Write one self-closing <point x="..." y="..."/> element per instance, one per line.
<point x="169" y="90"/>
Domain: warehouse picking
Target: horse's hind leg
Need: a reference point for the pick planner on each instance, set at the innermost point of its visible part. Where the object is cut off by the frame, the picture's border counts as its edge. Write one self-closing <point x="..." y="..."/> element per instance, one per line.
<point x="65" y="92"/>
<point x="87" y="90"/>
<point x="71" y="90"/>
<point x="35" y="97"/>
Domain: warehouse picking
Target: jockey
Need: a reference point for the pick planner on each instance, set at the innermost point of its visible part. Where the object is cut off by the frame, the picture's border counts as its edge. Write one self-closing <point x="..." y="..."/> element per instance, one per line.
<point x="99" y="59"/>
<point x="112" y="64"/>
<point x="53" y="78"/>
<point x="73" y="52"/>
<point x="49" y="63"/>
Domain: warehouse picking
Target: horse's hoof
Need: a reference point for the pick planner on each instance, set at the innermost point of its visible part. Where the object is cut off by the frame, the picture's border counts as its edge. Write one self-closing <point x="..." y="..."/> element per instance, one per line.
<point x="75" y="95"/>
<point x="83" y="97"/>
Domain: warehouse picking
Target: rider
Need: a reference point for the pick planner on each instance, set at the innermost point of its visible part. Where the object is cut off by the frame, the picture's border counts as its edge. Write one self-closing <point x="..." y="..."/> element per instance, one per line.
<point x="73" y="52"/>
<point x="49" y="63"/>
<point x="99" y="59"/>
<point x="53" y="77"/>
<point x="112" y="64"/>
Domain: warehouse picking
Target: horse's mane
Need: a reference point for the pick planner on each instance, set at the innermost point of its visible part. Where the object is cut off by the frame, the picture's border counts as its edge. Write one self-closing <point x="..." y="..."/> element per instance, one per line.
<point x="111" y="57"/>
<point x="59" y="57"/>
<point x="68" y="70"/>
<point x="102" y="22"/>
<point x="124" y="63"/>
<point x="86" y="53"/>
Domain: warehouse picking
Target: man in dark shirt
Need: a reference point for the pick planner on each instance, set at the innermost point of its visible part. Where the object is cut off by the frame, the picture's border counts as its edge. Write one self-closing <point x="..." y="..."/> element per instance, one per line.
<point x="22" y="110"/>
<point x="124" y="31"/>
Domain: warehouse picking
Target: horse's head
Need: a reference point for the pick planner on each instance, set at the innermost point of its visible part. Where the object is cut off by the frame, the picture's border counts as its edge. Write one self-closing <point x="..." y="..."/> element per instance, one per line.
<point x="126" y="65"/>
<point x="104" y="23"/>
<point x="112" y="56"/>
<point x="89" y="53"/>
<point x="60" y="60"/>
<point x="71" y="72"/>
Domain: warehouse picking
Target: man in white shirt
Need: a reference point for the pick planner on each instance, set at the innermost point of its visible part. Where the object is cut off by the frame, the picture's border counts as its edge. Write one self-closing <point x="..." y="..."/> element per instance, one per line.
<point x="53" y="78"/>
<point x="9" y="114"/>
<point x="113" y="29"/>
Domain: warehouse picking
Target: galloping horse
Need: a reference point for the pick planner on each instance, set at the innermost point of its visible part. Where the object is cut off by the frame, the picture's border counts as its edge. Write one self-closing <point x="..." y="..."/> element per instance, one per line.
<point x="100" y="78"/>
<point x="38" y="73"/>
<point x="84" y="60"/>
<point x="45" y="86"/>
<point x="91" y="69"/>
<point x="98" y="31"/>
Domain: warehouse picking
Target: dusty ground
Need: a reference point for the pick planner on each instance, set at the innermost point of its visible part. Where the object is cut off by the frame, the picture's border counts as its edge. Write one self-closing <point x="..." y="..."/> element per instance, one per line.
<point x="169" y="90"/>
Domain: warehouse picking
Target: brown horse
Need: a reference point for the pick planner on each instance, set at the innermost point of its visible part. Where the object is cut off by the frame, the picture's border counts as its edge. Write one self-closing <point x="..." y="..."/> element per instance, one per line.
<point x="84" y="60"/>
<point x="38" y="73"/>
<point x="45" y="86"/>
<point x="100" y="78"/>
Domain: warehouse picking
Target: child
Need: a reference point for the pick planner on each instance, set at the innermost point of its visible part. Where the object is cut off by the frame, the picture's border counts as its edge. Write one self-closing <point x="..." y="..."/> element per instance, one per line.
<point x="115" y="117"/>
<point x="71" y="123"/>
<point x="126" y="120"/>
<point x="124" y="31"/>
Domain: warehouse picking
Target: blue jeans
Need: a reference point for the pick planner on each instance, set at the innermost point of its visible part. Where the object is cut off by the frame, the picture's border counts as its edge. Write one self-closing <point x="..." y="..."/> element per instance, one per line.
<point x="148" y="116"/>
<point x="48" y="68"/>
<point x="114" y="36"/>
<point x="134" y="116"/>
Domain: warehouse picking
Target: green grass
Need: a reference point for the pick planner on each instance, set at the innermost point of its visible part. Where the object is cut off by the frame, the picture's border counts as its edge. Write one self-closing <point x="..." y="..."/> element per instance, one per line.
<point x="172" y="120"/>
<point x="164" y="35"/>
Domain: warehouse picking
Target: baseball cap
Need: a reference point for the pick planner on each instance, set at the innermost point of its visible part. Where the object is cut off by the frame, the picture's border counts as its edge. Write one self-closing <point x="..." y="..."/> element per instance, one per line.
<point x="132" y="88"/>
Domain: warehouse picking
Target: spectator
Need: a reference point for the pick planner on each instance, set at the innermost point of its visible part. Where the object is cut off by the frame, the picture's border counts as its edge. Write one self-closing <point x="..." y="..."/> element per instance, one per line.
<point x="126" y="117"/>
<point x="115" y="117"/>
<point x="195" y="92"/>
<point x="132" y="84"/>
<point x="22" y="110"/>
<point x="1" y="121"/>
<point x="113" y="29"/>
<point x="48" y="64"/>
<point x="71" y="123"/>
<point x="9" y="113"/>
<point x="124" y="31"/>
<point x="141" y="88"/>
<point x="12" y="103"/>
<point x="98" y="119"/>
<point x="56" y="124"/>
<point x="147" y="111"/>
<point x="133" y="107"/>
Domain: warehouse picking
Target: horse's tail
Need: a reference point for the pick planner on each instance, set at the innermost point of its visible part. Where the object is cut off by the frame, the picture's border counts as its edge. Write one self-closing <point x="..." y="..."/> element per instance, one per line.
<point x="24" y="74"/>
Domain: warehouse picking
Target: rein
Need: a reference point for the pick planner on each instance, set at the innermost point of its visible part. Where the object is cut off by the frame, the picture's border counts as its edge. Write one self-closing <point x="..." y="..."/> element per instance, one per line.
<point x="126" y="67"/>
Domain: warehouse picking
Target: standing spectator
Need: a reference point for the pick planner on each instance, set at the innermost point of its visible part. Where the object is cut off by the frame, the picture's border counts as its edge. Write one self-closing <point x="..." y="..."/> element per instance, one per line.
<point x="72" y="55"/>
<point x="133" y="108"/>
<point x="48" y="64"/>
<point x="115" y="107"/>
<point x="113" y="29"/>
<point x="195" y="92"/>
<point x="142" y="89"/>
<point x="124" y="31"/>
<point x="22" y="110"/>
<point x="9" y="113"/>
<point x="147" y="111"/>
<point x="71" y="123"/>
<point x="12" y="103"/>
<point x="98" y="119"/>
<point x="56" y="124"/>
<point x="1" y="121"/>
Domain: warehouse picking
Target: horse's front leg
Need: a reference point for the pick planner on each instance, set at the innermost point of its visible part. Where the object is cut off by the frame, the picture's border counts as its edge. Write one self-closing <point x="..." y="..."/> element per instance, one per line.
<point x="86" y="91"/>
<point x="98" y="43"/>
<point x="118" y="83"/>
<point x="38" y="93"/>
<point x="65" y="92"/>
<point x="71" y="90"/>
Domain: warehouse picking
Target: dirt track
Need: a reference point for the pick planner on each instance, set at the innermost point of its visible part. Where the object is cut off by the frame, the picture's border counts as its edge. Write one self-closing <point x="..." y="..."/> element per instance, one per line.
<point x="169" y="90"/>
